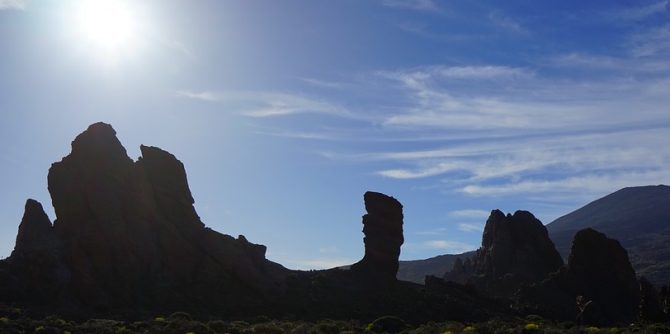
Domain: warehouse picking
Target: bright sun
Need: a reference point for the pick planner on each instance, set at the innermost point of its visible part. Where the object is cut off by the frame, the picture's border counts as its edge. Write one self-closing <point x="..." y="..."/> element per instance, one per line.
<point x="107" y="25"/>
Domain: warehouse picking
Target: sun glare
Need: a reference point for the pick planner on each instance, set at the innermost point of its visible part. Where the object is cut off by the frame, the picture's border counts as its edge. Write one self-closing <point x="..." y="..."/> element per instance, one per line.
<point x="107" y="25"/>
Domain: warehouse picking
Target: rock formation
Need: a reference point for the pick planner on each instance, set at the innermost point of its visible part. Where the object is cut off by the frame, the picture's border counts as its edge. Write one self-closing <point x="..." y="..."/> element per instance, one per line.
<point x="36" y="233"/>
<point x="598" y="284"/>
<point x="601" y="271"/>
<point x="382" y="226"/>
<point x="127" y="234"/>
<point x="37" y="259"/>
<point x="516" y="249"/>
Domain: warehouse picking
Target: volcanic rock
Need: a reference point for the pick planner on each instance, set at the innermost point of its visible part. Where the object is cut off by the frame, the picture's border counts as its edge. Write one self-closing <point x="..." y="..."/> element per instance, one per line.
<point x="128" y="235"/>
<point x="600" y="268"/>
<point x="35" y="231"/>
<point x="382" y="226"/>
<point x="515" y="250"/>
<point x="598" y="284"/>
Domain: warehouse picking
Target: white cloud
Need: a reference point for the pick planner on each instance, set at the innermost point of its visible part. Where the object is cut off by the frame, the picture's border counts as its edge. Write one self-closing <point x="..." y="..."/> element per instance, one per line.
<point x="470" y="213"/>
<point x="266" y="104"/>
<point x="653" y="42"/>
<point x="590" y="185"/>
<point x="453" y="247"/>
<point x="437" y="231"/>
<point x="12" y="4"/>
<point x="419" y="5"/>
<point x="203" y="96"/>
<point x="471" y="227"/>
<point x="322" y="83"/>
<point x="638" y="13"/>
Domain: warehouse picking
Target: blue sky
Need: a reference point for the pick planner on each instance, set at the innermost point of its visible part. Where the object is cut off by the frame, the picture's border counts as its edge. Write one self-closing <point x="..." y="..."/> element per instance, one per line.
<point x="286" y="112"/>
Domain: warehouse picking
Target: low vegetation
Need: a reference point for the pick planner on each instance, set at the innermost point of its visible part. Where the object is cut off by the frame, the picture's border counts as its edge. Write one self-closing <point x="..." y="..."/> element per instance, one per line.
<point x="14" y="321"/>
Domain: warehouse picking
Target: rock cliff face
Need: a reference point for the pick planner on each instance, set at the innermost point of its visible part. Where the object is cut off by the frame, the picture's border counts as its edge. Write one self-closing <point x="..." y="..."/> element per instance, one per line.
<point x="382" y="226"/>
<point x="127" y="234"/>
<point x="516" y="249"/>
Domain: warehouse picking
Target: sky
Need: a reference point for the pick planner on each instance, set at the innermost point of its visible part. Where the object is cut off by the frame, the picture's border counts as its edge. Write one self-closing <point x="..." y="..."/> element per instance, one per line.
<point x="285" y="112"/>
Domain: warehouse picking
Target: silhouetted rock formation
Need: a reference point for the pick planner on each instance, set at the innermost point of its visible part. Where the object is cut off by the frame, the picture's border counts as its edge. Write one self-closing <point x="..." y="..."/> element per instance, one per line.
<point x="36" y="233"/>
<point x="417" y="270"/>
<point x="128" y="235"/>
<point x="38" y="273"/>
<point x="461" y="271"/>
<point x="382" y="226"/>
<point x="602" y="272"/>
<point x="515" y="250"/>
<point x="599" y="271"/>
<point x="369" y="288"/>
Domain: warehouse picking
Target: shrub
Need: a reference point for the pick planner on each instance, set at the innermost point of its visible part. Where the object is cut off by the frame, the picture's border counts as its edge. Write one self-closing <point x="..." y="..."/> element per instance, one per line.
<point x="181" y="316"/>
<point x="325" y="327"/>
<point x="530" y="327"/>
<point x="470" y="329"/>
<point x="268" y="328"/>
<point x="592" y="330"/>
<point x="387" y="324"/>
<point x="219" y="326"/>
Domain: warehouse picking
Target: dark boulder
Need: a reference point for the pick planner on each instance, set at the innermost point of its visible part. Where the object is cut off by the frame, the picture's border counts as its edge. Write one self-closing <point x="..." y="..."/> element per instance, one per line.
<point x="382" y="226"/>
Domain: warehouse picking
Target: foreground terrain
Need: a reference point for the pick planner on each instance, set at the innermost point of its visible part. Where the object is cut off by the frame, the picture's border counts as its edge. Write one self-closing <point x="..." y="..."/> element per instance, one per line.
<point x="14" y="320"/>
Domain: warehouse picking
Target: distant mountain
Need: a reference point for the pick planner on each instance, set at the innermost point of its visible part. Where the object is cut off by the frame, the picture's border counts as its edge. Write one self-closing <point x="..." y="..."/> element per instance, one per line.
<point x="639" y="217"/>
<point x="415" y="271"/>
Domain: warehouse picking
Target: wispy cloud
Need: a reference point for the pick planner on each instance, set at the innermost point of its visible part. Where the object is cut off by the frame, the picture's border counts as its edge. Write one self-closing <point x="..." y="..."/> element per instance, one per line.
<point x="471" y="227"/>
<point x="12" y="4"/>
<point x="640" y="12"/>
<point x="449" y="246"/>
<point x="203" y="96"/>
<point x="266" y="104"/>
<point x="470" y="213"/>
<point x="508" y="23"/>
<point x="589" y="185"/>
<point x="322" y="83"/>
<point x="437" y="231"/>
<point x="653" y="42"/>
<point x="418" y="5"/>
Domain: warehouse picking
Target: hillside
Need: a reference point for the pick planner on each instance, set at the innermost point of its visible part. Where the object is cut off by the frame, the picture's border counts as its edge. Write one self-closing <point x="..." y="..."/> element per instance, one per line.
<point x="636" y="216"/>
<point x="415" y="271"/>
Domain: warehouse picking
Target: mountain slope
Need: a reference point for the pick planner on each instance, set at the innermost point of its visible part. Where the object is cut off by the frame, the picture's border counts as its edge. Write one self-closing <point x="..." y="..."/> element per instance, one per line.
<point x="416" y="270"/>
<point x="636" y="216"/>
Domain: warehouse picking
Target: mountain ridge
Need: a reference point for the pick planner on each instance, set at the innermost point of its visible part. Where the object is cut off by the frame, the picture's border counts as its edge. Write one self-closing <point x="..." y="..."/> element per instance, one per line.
<point x="637" y="217"/>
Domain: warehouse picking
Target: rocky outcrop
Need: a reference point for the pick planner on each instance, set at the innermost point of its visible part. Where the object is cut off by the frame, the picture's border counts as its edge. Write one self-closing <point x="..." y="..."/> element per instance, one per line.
<point x="127" y="235"/>
<point x="382" y="226"/>
<point x="36" y="260"/>
<point x="461" y="272"/>
<point x="36" y="233"/>
<point x="600" y="271"/>
<point x="598" y="284"/>
<point x="515" y="250"/>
